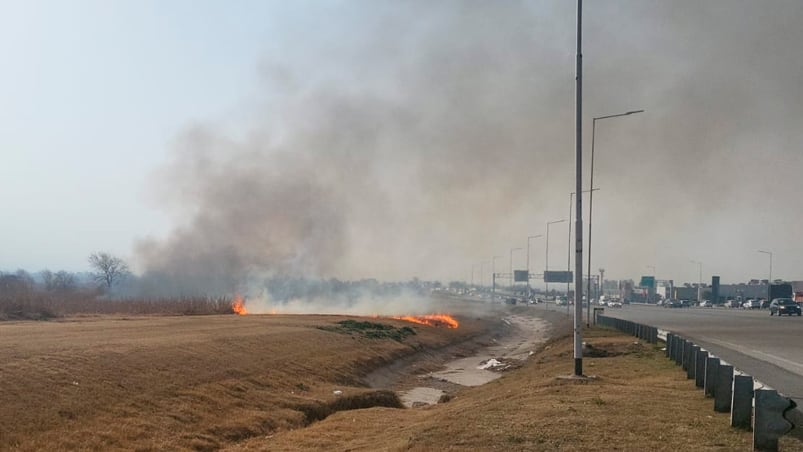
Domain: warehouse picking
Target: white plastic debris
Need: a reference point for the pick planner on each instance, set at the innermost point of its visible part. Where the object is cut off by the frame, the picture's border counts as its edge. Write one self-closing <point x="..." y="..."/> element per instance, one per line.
<point x="491" y="363"/>
<point x="338" y="392"/>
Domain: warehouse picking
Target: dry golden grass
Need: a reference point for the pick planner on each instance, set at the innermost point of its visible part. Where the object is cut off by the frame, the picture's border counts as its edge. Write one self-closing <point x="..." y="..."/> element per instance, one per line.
<point x="640" y="401"/>
<point x="162" y="383"/>
<point x="266" y="383"/>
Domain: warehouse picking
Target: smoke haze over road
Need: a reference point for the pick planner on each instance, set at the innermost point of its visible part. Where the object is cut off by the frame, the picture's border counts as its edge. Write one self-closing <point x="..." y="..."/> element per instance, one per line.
<point x="414" y="139"/>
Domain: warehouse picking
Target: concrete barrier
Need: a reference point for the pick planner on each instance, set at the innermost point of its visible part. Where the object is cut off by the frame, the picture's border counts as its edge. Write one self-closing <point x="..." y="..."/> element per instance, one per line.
<point x="742" y="403"/>
<point x="686" y="354"/>
<point x="711" y="367"/>
<point x="769" y="423"/>
<point x="723" y="394"/>
<point x="669" y="338"/>
<point x="680" y="344"/>
<point x="699" y="371"/>
<point x="774" y="414"/>
<point x="691" y="370"/>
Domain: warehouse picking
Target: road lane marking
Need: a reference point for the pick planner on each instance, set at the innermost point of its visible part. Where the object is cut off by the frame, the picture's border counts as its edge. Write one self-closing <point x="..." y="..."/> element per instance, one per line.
<point x="758" y="354"/>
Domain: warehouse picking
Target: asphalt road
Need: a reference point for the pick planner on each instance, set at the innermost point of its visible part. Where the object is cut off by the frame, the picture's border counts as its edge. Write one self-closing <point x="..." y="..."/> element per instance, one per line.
<point x="768" y="348"/>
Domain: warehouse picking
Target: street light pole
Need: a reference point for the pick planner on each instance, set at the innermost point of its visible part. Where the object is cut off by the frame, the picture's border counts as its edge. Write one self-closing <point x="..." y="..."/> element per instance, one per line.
<point x="493" y="280"/>
<point x="546" y="261"/>
<point x="528" y="261"/>
<point x="769" y="281"/>
<point x="578" y="180"/>
<point x="591" y="186"/>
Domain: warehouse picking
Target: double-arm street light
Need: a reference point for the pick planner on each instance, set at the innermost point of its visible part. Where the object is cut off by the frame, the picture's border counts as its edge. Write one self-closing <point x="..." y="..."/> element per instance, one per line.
<point x="546" y="261"/>
<point x="528" y="260"/>
<point x="700" y="282"/>
<point x="769" y="281"/>
<point x="591" y="186"/>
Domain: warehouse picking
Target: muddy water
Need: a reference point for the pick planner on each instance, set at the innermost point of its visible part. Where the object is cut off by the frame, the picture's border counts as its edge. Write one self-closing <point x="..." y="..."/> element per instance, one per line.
<point x="525" y="330"/>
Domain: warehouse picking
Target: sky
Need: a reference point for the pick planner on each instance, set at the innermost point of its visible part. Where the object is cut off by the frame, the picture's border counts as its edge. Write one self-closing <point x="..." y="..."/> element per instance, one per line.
<point x="212" y="141"/>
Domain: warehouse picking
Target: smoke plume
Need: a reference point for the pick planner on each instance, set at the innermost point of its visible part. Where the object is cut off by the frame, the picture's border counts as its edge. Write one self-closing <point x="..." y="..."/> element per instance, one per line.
<point x="417" y="139"/>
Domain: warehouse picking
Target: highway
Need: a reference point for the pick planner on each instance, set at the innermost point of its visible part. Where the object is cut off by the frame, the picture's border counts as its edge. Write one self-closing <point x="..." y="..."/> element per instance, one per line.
<point x="768" y="348"/>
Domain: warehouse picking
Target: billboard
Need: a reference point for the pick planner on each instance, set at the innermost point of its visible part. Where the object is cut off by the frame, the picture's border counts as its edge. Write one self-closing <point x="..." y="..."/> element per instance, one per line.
<point x="647" y="281"/>
<point x="558" y="276"/>
<point x="521" y="276"/>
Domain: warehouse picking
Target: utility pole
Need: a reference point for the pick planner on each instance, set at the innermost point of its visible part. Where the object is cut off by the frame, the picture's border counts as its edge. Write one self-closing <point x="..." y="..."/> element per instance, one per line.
<point x="769" y="281"/>
<point x="528" y="262"/>
<point x="493" y="270"/>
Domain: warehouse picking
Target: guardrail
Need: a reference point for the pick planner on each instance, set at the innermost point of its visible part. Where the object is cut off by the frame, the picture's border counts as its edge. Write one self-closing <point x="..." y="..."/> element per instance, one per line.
<point x="752" y="405"/>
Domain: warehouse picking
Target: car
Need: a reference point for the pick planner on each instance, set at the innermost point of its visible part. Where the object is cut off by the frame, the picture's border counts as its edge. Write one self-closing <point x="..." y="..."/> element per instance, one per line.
<point x="706" y="304"/>
<point x="614" y="304"/>
<point x="753" y="303"/>
<point x="673" y="304"/>
<point x="784" y="306"/>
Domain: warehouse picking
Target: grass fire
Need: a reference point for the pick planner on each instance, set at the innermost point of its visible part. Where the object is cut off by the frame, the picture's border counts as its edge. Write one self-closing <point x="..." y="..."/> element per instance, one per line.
<point x="435" y="320"/>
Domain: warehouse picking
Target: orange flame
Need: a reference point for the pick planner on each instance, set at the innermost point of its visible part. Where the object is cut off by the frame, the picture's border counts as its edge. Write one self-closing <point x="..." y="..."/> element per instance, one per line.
<point x="238" y="305"/>
<point x="441" y="320"/>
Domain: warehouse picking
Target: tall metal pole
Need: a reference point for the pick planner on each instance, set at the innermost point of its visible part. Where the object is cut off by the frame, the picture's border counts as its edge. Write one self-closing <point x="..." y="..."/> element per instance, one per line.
<point x="769" y="281"/>
<point x="546" y="260"/>
<point x="493" y="281"/>
<point x="578" y="161"/>
<point x="528" y="262"/>
<point x="569" y="253"/>
<point x="591" y="187"/>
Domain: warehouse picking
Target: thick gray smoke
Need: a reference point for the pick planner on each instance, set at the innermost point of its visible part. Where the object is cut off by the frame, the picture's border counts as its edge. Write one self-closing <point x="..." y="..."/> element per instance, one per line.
<point x="443" y="135"/>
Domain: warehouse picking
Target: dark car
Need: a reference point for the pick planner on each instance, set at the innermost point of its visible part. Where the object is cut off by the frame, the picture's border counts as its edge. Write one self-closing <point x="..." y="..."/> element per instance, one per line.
<point x="785" y="306"/>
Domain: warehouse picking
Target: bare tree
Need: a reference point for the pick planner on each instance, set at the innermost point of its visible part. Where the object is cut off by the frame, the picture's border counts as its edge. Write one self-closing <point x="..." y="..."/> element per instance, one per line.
<point x="110" y="269"/>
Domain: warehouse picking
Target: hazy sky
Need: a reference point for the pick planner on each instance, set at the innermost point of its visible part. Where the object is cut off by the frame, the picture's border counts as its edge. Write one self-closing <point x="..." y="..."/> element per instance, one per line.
<point x="398" y="139"/>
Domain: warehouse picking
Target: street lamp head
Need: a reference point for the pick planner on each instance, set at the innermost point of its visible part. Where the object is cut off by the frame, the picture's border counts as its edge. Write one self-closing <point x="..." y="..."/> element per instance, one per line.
<point x="634" y="112"/>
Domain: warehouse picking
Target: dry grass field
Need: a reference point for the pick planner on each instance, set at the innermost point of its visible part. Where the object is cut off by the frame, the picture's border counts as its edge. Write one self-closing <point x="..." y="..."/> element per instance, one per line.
<point x="268" y="382"/>
<point x="640" y="401"/>
<point x="194" y="382"/>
